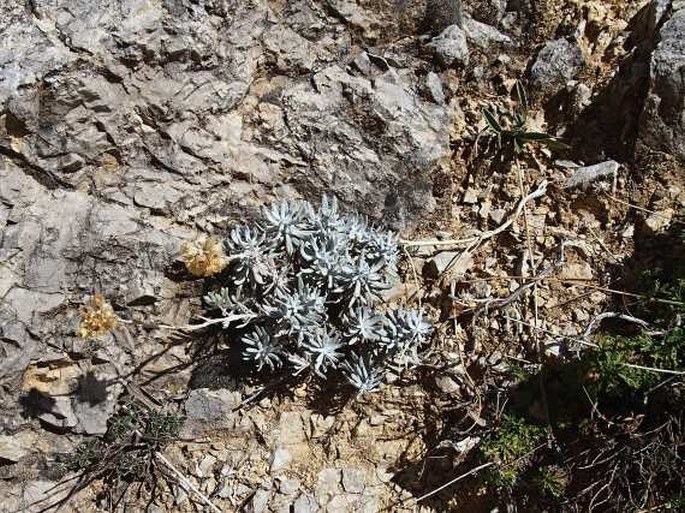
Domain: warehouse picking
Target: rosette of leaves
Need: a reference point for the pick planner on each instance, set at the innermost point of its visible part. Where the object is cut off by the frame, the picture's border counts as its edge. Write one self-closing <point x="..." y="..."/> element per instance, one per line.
<point x="308" y="281"/>
<point x="254" y="259"/>
<point x="324" y="260"/>
<point x="405" y="332"/>
<point x="286" y="222"/>
<point x="298" y="313"/>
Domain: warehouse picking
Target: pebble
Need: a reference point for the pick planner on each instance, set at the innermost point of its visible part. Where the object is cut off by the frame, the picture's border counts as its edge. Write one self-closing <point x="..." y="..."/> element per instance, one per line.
<point x="584" y="176"/>
<point x="353" y="480"/>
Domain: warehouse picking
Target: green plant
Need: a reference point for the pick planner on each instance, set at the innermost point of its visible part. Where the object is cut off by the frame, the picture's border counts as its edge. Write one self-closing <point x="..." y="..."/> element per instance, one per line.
<point x="125" y="454"/>
<point x="510" y="447"/>
<point x="619" y="361"/>
<point x="551" y="481"/>
<point x="305" y="285"/>
<point x="510" y="128"/>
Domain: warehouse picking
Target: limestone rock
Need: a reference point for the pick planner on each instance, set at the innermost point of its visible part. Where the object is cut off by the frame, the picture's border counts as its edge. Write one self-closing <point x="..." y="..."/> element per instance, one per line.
<point x="557" y="62"/>
<point x="483" y="35"/>
<point x="210" y="409"/>
<point x="662" y="124"/>
<point x="450" y="47"/>
<point x="584" y="176"/>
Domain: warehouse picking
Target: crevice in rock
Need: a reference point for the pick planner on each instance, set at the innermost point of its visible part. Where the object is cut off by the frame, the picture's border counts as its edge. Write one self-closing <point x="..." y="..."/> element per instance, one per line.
<point x="46" y="178"/>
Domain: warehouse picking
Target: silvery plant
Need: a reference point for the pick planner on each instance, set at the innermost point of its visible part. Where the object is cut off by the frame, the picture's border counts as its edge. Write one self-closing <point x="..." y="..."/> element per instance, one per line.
<point x="306" y="285"/>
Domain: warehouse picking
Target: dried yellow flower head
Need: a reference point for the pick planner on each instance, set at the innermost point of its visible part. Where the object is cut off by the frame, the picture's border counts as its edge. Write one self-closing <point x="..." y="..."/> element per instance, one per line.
<point x="203" y="257"/>
<point x="97" y="318"/>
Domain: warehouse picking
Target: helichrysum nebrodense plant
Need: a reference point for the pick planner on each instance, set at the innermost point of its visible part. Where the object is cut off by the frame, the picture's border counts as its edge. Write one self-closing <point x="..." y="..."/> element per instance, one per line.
<point x="303" y="288"/>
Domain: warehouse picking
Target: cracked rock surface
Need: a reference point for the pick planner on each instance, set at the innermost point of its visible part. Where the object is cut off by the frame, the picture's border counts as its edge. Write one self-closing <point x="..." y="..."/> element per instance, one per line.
<point x="129" y="126"/>
<point x="124" y="126"/>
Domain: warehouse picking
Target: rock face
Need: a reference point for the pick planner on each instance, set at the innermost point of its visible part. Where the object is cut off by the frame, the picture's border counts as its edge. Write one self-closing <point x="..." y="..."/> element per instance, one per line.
<point x="157" y="105"/>
<point x="663" y="118"/>
<point x="125" y="126"/>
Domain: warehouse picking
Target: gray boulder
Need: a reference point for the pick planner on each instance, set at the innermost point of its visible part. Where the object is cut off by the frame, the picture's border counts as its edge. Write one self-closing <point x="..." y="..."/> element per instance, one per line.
<point x="662" y="125"/>
<point x="483" y="35"/>
<point x="450" y="47"/>
<point x="557" y="62"/>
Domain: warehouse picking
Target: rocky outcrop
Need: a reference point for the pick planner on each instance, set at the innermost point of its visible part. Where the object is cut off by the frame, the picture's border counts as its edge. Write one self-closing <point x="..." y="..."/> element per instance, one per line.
<point x="663" y="119"/>
<point x="155" y="106"/>
<point x="125" y="126"/>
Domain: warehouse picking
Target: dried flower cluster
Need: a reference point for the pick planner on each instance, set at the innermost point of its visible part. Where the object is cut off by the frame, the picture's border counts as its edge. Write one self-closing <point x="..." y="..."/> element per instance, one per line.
<point x="305" y="285"/>
<point x="203" y="257"/>
<point x="97" y="318"/>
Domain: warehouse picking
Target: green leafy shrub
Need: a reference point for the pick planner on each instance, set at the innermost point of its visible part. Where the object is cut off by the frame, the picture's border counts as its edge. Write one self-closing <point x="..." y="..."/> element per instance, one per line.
<point x="126" y="453"/>
<point x="510" y="128"/>
<point x="510" y="447"/>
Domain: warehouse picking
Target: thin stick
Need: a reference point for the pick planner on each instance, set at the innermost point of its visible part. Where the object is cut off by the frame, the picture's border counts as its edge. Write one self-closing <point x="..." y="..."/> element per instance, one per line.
<point x="210" y="322"/>
<point x="185" y="483"/>
<point x="543" y="330"/>
<point x="642" y="209"/>
<point x="655" y="369"/>
<point x="579" y="282"/>
<point x="540" y="191"/>
<point x="459" y="478"/>
<point x="612" y="315"/>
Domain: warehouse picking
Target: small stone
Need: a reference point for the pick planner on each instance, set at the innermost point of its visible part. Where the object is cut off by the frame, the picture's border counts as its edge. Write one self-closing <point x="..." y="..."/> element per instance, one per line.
<point x="211" y="405"/>
<point x="582" y="97"/>
<point x="450" y="47"/>
<point x="580" y="315"/>
<point x="558" y="62"/>
<point x="280" y="459"/>
<point x="584" y="176"/>
<point x="470" y="196"/>
<point x="447" y="385"/>
<point x="260" y="500"/>
<point x="434" y="88"/>
<point x="377" y="420"/>
<point x="328" y="484"/>
<point x="305" y="504"/>
<point x="659" y="221"/>
<point x="225" y="490"/>
<point x="353" y="480"/>
<point x="288" y="486"/>
<point x="497" y="215"/>
<point x="181" y="496"/>
<point x="465" y="445"/>
<point x="342" y="504"/>
<point x="456" y="263"/>
<point x="205" y="467"/>
<point x="629" y="232"/>
<point x="576" y="271"/>
<point x="291" y="428"/>
<point x="13" y="448"/>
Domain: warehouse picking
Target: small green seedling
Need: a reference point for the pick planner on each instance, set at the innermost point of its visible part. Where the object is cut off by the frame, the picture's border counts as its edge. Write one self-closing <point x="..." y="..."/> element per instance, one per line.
<point x="511" y="127"/>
